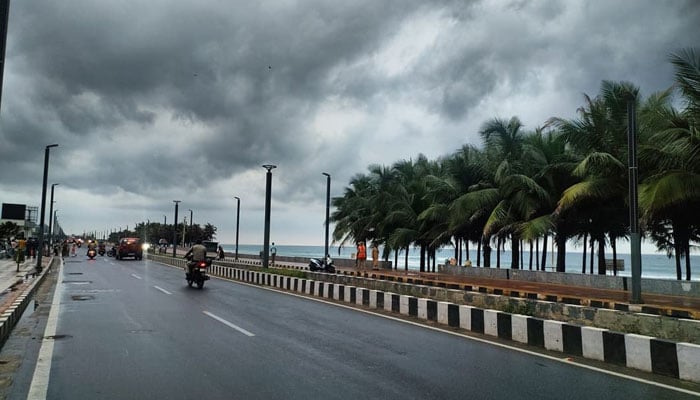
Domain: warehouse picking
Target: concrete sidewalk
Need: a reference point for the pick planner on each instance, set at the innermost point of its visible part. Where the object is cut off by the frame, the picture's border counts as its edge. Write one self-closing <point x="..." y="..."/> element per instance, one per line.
<point x="9" y="275"/>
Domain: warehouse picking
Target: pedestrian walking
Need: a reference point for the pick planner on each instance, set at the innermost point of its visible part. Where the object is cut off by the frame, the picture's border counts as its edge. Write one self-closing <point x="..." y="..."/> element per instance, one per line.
<point x="375" y="256"/>
<point x="220" y="252"/>
<point x="273" y="252"/>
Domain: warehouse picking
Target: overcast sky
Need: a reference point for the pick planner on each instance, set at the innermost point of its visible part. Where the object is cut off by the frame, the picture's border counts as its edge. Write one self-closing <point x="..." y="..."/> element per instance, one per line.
<point x="161" y="100"/>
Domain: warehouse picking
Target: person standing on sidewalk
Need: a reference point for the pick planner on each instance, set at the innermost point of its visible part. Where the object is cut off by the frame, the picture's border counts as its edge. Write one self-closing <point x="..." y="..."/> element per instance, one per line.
<point x="375" y="256"/>
<point x="361" y="255"/>
<point x="273" y="253"/>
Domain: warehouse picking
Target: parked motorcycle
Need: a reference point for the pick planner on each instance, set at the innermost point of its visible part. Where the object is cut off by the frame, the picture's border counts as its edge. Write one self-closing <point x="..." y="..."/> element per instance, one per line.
<point x="198" y="272"/>
<point x="323" y="266"/>
<point x="91" y="253"/>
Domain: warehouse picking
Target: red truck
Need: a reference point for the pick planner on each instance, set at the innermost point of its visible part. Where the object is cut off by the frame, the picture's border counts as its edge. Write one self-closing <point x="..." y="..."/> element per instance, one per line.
<point x="129" y="247"/>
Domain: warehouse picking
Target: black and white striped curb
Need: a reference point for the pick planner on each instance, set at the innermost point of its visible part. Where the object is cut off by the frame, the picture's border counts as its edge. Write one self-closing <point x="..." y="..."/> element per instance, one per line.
<point x="678" y="360"/>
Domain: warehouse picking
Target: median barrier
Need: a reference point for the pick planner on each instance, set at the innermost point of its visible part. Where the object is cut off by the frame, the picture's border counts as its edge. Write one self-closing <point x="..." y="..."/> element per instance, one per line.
<point x="675" y="359"/>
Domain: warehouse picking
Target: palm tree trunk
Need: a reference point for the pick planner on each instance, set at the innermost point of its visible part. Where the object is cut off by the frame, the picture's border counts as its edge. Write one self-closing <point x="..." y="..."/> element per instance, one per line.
<point x="592" y="243"/>
<point x="522" y="257"/>
<point x="687" y="260"/>
<point x="677" y="250"/>
<point x="613" y="244"/>
<point x="434" y="254"/>
<point x="601" y="256"/>
<point x="585" y="248"/>
<point x="561" y="253"/>
<point x="405" y="263"/>
<point x="515" y="253"/>
<point x="498" y="252"/>
<point x="396" y="259"/>
<point x="537" y="253"/>
<point x="478" y="253"/>
<point x="487" y="254"/>
<point x="544" y="252"/>
<point x="466" y="247"/>
<point x="422" y="258"/>
<point x="530" y="254"/>
<point x="456" y="247"/>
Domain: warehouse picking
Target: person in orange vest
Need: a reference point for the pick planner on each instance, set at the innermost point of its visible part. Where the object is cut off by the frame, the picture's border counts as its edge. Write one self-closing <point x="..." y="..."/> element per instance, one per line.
<point x="361" y="255"/>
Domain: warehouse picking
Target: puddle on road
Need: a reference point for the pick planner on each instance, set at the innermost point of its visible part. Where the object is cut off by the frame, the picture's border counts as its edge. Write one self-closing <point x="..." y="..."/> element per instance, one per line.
<point x="82" y="297"/>
<point x="78" y="282"/>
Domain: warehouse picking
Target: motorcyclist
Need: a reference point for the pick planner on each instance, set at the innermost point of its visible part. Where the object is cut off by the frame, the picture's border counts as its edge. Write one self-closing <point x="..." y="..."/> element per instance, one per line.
<point x="92" y="245"/>
<point x="197" y="253"/>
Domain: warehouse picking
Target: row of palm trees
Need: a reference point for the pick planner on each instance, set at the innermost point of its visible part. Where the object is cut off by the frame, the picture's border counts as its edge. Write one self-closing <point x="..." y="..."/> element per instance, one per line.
<point x="564" y="181"/>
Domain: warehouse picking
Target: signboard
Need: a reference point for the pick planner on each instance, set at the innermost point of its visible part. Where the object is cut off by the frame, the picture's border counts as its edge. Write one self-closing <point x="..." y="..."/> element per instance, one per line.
<point x="13" y="211"/>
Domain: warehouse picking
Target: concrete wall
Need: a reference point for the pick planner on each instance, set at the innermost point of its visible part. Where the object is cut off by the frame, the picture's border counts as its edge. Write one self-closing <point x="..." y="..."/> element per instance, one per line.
<point x="660" y="286"/>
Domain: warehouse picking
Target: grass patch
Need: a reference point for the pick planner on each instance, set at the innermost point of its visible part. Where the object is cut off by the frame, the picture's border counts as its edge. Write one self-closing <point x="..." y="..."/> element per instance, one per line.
<point x="526" y="308"/>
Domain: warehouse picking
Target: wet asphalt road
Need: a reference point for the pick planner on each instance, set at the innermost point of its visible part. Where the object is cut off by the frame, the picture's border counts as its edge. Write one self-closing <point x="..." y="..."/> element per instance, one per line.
<point x="134" y="330"/>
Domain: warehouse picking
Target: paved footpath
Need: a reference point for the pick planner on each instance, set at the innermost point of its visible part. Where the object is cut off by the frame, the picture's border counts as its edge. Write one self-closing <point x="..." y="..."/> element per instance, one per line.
<point x="12" y="283"/>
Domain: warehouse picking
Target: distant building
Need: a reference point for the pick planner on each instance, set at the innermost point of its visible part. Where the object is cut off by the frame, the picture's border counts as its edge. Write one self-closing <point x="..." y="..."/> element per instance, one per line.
<point x="22" y="215"/>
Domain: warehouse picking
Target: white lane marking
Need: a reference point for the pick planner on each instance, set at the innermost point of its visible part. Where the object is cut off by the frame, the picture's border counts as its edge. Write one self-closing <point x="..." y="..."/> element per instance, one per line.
<point x="229" y="324"/>
<point x="162" y="290"/>
<point x="40" y="380"/>
<point x="136" y="276"/>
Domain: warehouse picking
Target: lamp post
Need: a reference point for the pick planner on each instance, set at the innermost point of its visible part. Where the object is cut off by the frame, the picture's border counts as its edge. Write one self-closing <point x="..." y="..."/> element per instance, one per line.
<point x="268" y="195"/>
<point x="43" y="206"/>
<point x="177" y="202"/>
<point x="190" y="226"/>
<point x="238" y="220"/>
<point x="635" y="238"/>
<point x="55" y="224"/>
<point x="328" y="208"/>
<point x="53" y="185"/>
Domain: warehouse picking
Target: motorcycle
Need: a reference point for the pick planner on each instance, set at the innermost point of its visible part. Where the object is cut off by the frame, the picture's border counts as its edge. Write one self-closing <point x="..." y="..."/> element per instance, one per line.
<point x="323" y="266"/>
<point x="101" y="250"/>
<point x="198" y="272"/>
<point x="91" y="253"/>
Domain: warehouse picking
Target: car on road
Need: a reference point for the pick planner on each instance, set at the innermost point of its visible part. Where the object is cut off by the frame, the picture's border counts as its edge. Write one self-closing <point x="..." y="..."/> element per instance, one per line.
<point x="129" y="247"/>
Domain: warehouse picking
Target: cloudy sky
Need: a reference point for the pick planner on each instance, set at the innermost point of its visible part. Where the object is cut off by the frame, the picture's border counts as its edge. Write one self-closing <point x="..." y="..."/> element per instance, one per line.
<point x="161" y="100"/>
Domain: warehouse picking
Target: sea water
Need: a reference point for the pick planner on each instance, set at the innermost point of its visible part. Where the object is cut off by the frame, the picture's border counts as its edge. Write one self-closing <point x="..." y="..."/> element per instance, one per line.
<point x="657" y="266"/>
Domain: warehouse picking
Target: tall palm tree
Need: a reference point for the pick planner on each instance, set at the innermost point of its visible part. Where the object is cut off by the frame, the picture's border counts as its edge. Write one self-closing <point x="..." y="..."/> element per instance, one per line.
<point x="673" y="156"/>
<point x="599" y="135"/>
<point x="551" y="166"/>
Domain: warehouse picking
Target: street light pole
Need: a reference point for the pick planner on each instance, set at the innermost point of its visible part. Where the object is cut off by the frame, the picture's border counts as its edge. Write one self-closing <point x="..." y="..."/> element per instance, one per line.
<point x="43" y="206"/>
<point x="328" y="208"/>
<point x="238" y="220"/>
<point x="190" y="227"/>
<point x="53" y="185"/>
<point x="635" y="238"/>
<point x="55" y="221"/>
<point x="268" y="196"/>
<point x="177" y="202"/>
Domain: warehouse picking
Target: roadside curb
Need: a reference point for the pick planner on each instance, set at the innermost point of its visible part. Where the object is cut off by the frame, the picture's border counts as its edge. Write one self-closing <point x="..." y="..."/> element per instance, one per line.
<point x="675" y="359"/>
<point x="11" y="315"/>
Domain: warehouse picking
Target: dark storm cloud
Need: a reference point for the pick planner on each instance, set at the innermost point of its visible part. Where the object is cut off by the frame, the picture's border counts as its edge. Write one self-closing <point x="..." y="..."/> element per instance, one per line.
<point x="148" y="98"/>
